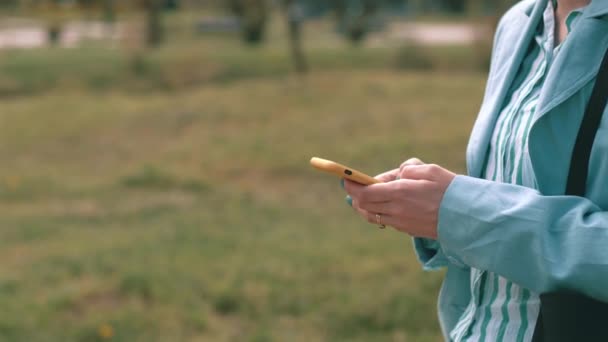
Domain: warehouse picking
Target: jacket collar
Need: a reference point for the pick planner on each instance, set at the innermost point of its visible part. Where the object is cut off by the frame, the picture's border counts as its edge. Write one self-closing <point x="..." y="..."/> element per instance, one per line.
<point x="574" y="67"/>
<point x="577" y="63"/>
<point x="597" y="8"/>
<point x="502" y="77"/>
<point x="564" y="98"/>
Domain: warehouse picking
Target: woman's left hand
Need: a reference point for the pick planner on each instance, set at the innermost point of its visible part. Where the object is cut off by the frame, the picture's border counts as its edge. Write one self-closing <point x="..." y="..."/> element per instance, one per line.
<point x="409" y="204"/>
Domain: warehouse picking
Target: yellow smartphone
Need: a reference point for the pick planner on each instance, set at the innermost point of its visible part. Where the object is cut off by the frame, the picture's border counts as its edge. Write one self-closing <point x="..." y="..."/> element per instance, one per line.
<point x="342" y="171"/>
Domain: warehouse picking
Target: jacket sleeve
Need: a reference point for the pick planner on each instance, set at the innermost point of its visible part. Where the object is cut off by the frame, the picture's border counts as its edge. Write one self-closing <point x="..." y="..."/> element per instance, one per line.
<point x="429" y="251"/>
<point x="429" y="254"/>
<point x="543" y="243"/>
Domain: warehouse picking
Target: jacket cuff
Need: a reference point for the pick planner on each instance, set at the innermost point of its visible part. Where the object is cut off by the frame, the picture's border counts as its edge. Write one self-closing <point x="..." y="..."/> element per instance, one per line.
<point x="429" y="254"/>
<point x="455" y="226"/>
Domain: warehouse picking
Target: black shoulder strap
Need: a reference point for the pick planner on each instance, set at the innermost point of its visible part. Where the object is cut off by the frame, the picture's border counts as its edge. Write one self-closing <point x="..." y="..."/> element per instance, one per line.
<point x="566" y="316"/>
<point x="579" y="164"/>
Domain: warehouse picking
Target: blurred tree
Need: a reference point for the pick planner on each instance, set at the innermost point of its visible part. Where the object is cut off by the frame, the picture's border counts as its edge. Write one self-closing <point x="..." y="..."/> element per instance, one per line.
<point x="152" y="8"/>
<point x="88" y="8"/>
<point x="53" y="15"/>
<point x="457" y="6"/>
<point x="295" y="15"/>
<point x="154" y="27"/>
<point x="354" y="17"/>
<point x="171" y="4"/>
<point x="253" y="15"/>
<point x="9" y="4"/>
<point x="473" y="7"/>
<point x="109" y="14"/>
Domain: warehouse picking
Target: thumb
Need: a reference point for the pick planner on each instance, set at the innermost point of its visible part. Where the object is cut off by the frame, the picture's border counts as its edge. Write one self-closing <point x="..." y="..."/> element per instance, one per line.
<point x="417" y="172"/>
<point x="388" y="176"/>
<point x="409" y="162"/>
<point x="412" y="161"/>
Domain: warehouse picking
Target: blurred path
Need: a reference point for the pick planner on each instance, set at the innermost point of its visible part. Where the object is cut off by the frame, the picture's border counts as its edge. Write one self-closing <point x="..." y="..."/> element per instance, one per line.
<point x="434" y="33"/>
<point x="22" y="38"/>
<point x="33" y="36"/>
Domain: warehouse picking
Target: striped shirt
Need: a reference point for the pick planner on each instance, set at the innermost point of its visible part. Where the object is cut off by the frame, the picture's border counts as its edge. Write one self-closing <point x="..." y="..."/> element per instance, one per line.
<point x="501" y="310"/>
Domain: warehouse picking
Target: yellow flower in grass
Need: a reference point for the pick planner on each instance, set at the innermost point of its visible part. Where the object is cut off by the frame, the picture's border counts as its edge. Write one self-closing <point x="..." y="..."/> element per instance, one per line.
<point x="12" y="182"/>
<point x="105" y="331"/>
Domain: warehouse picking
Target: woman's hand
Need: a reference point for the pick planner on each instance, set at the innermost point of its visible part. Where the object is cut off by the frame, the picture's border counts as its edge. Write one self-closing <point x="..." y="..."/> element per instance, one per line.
<point x="408" y="200"/>
<point x="394" y="174"/>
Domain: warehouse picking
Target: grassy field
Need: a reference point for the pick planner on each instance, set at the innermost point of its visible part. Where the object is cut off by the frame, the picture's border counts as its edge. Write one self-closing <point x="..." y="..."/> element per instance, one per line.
<point x="189" y="213"/>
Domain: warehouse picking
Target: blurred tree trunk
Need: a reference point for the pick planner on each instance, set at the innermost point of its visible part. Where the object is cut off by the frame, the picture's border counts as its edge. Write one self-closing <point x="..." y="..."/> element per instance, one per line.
<point x="475" y="7"/>
<point x="171" y="4"/>
<point x="54" y="33"/>
<point x="485" y="24"/>
<point x="504" y="5"/>
<point x="55" y="23"/>
<point x="416" y="6"/>
<point x="360" y="26"/>
<point x="109" y="14"/>
<point x="294" y="16"/>
<point x="154" y="27"/>
<point x="456" y="6"/>
<point x="354" y="18"/>
<point x="11" y="5"/>
<point x="253" y="16"/>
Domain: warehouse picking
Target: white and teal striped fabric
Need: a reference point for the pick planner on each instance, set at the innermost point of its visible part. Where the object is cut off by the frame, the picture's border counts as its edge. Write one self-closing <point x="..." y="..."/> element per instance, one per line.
<point x="500" y="310"/>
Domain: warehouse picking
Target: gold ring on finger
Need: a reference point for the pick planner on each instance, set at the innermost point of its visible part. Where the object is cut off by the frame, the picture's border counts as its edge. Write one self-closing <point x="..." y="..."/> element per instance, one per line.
<point x="379" y="221"/>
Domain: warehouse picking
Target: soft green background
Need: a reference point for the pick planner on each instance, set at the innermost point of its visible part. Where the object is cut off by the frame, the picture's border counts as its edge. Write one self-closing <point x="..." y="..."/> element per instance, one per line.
<point x="175" y="202"/>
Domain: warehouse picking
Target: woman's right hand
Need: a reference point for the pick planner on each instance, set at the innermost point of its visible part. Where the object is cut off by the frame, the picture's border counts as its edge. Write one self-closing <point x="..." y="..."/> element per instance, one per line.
<point x="391" y="175"/>
<point x="409" y="162"/>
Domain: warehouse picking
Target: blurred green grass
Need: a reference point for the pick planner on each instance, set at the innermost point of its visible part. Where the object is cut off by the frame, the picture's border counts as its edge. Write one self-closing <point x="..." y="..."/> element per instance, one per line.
<point x="179" y="205"/>
<point x="194" y="215"/>
<point x="184" y="65"/>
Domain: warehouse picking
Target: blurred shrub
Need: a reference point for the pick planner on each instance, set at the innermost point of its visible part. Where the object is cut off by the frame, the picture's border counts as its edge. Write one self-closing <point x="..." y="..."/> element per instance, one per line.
<point x="139" y="65"/>
<point x="482" y="46"/>
<point x="150" y="177"/>
<point x="138" y="285"/>
<point x="16" y="187"/>
<point x="228" y="303"/>
<point x="412" y="56"/>
<point x="483" y="54"/>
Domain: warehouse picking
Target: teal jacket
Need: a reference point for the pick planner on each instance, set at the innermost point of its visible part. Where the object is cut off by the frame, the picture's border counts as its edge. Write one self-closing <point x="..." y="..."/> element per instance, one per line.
<point x="539" y="239"/>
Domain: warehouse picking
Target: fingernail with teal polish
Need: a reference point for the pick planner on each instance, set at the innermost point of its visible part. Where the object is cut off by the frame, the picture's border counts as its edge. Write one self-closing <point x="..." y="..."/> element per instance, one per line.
<point x="349" y="200"/>
<point x="342" y="183"/>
